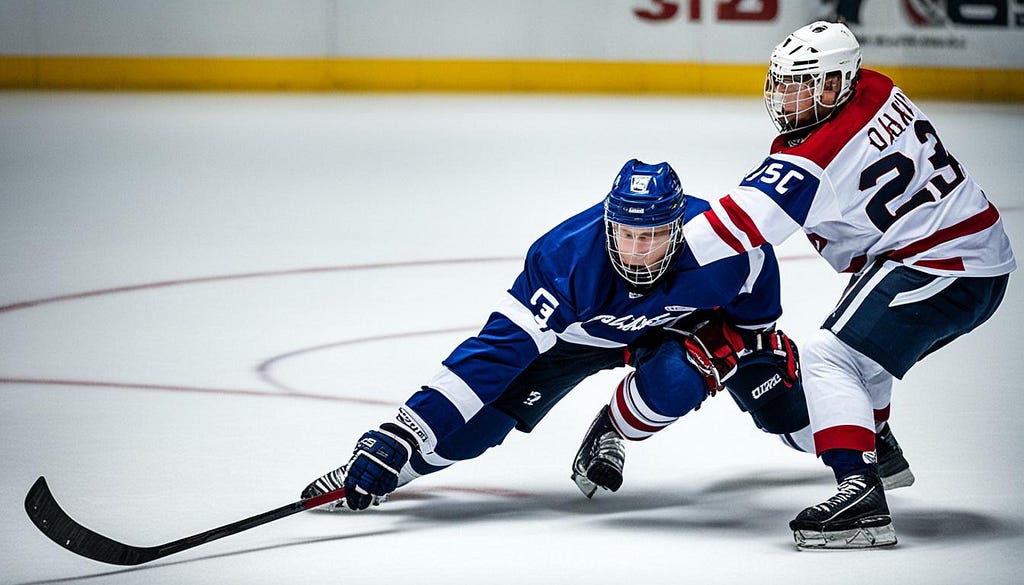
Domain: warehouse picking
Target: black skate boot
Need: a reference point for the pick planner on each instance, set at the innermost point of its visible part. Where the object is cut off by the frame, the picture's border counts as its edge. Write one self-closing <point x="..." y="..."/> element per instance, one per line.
<point x="601" y="457"/>
<point x="856" y="517"/>
<point x="892" y="466"/>
<point x="329" y="482"/>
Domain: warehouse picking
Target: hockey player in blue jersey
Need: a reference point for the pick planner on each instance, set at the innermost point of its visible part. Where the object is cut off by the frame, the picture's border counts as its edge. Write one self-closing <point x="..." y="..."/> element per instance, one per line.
<point x="615" y="285"/>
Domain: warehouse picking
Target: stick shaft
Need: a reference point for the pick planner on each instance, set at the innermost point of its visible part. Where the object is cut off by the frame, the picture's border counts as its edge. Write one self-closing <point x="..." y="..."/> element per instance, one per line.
<point x="58" y="526"/>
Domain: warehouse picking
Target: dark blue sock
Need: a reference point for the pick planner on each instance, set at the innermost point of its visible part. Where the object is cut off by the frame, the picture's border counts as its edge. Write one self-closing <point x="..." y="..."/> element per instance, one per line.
<point x="845" y="462"/>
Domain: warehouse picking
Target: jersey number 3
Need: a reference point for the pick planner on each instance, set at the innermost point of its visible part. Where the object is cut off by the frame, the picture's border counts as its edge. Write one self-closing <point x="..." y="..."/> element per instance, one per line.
<point x="882" y="209"/>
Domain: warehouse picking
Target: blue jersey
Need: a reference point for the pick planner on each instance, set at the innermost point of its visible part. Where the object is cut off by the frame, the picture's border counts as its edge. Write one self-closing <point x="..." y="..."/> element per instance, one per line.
<point x="569" y="292"/>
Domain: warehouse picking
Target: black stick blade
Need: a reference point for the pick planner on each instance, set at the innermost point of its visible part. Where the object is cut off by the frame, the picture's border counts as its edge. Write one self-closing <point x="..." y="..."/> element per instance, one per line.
<point x="54" y="522"/>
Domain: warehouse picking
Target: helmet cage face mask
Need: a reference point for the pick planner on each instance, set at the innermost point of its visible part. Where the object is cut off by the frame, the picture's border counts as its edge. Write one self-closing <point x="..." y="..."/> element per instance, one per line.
<point x="650" y="250"/>
<point x="796" y="102"/>
<point x="643" y="216"/>
<point x="818" y="59"/>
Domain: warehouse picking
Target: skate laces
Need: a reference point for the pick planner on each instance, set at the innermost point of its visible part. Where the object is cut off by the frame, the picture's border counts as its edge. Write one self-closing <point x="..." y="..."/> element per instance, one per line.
<point x="850" y="488"/>
<point x="334" y="480"/>
<point x="610" y="447"/>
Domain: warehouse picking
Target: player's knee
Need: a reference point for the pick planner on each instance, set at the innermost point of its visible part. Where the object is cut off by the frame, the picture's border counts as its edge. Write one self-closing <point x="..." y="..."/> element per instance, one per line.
<point x="786" y="413"/>
<point x="667" y="383"/>
<point x="758" y="387"/>
<point x="818" y="349"/>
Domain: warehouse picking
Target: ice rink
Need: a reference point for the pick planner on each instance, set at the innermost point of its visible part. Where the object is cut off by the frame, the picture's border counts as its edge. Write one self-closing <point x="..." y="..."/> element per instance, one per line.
<point x="206" y="298"/>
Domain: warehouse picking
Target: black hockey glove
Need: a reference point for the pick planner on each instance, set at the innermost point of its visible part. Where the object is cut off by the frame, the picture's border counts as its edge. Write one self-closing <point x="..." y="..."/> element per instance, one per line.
<point x="376" y="460"/>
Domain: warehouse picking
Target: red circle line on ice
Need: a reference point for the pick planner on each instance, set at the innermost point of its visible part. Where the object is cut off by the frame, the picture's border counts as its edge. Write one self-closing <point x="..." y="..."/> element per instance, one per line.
<point x="264" y="367"/>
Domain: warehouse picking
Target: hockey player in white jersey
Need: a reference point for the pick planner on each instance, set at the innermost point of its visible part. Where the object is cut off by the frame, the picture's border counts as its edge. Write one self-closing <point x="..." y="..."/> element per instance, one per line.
<point x="861" y="170"/>
<point x="614" y="285"/>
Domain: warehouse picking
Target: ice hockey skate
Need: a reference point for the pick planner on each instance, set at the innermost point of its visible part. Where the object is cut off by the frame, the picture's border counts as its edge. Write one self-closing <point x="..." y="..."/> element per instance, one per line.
<point x="893" y="468"/>
<point x="856" y="517"/>
<point x="329" y="482"/>
<point x="599" y="462"/>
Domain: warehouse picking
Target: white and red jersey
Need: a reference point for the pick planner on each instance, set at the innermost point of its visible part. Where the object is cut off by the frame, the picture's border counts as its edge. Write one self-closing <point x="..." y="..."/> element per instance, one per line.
<point x="874" y="181"/>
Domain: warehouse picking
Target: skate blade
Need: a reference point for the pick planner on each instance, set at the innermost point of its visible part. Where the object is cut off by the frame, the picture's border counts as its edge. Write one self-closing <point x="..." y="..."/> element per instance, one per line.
<point x="586" y="486"/>
<point x="854" y="538"/>
<point x="904" y="478"/>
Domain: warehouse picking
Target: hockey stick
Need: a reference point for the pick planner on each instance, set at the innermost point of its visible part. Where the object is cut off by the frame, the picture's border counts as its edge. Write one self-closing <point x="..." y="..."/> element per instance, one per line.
<point x="54" y="522"/>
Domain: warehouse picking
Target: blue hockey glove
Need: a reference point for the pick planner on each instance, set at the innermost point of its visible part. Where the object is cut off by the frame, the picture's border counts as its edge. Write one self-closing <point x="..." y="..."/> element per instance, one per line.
<point x="376" y="460"/>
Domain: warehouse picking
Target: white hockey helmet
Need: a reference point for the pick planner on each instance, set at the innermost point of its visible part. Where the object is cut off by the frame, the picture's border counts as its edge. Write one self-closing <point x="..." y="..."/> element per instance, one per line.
<point x="816" y="52"/>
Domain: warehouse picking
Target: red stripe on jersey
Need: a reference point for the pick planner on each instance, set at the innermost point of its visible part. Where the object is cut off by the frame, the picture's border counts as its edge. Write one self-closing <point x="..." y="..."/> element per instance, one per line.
<point x="627" y="415"/>
<point x="742" y="221"/>
<point x="943" y="264"/>
<point x="844" y="437"/>
<point x="856" y="264"/>
<point x="972" y="225"/>
<point x="723" y="232"/>
<point x="882" y="414"/>
<point x="824" y="143"/>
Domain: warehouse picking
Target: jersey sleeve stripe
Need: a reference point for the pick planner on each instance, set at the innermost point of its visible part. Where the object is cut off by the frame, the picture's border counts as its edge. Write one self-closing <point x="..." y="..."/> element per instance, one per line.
<point x="455" y="389"/>
<point x="723" y="232"/>
<point x="516" y="312"/>
<point x="704" y="243"/>
<point x="743" y="221"/>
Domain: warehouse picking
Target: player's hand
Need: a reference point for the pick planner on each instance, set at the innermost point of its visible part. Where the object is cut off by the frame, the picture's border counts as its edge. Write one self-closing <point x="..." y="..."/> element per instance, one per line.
<point x="713" y="348"/>
<point x="787" y="358"/>
<point x="714" y="370"/>
<point x="376" y="460"/>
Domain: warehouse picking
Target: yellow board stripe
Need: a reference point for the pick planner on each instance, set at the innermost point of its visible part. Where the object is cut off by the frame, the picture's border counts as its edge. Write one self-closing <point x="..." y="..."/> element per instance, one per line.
<point x="472" y="75"/>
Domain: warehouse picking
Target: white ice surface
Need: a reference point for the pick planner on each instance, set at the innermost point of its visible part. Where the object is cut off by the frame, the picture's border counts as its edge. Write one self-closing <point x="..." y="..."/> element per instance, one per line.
<point x="164" y="411"/>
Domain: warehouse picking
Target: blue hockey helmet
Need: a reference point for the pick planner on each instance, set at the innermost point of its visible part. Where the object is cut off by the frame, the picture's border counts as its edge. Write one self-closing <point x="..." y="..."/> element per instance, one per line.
<point x="643" y="216"/>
